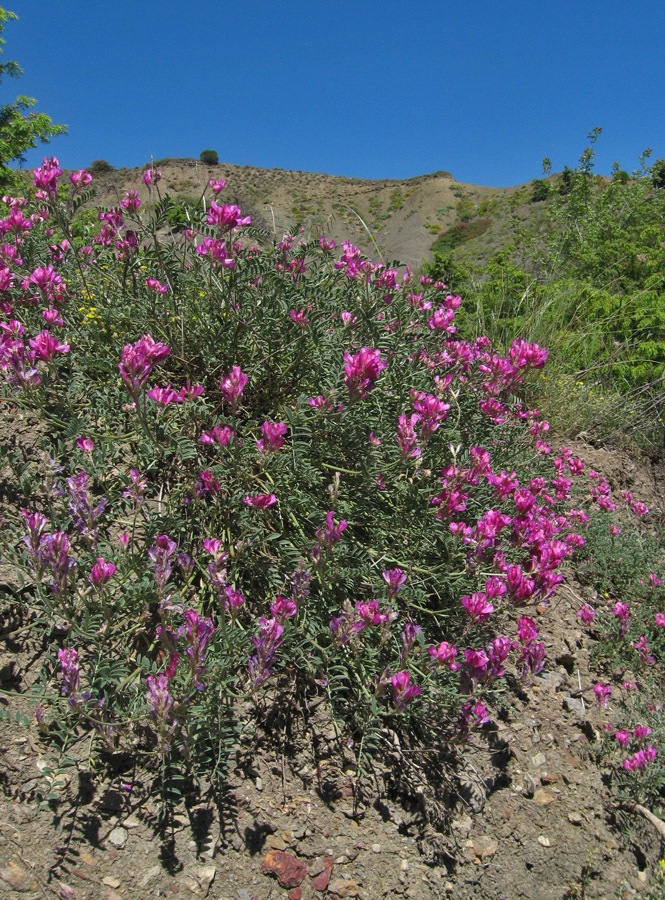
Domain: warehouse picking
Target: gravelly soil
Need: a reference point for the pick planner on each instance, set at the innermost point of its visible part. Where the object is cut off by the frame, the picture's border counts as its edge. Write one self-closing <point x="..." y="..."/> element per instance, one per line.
<point x="523" y="811"/>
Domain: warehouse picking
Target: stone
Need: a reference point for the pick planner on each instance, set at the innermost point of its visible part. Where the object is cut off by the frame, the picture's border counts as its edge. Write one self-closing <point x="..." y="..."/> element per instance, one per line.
<point x="118" y="837"/>
<point x="544" y="841"/>
<point x="320" y="873"/>
<point x="111" y="881"/>
<point x="295" y="894"/>
<point x="574" y="706"/>
<point x="575" y="818"/>
<point x="343" y="888"/>
<point x="150" y="875"/>
<point x="542" y="798"/>
<point x="485" y="846"/>
<point x="275" y="842"/>
<point x="376" y="848"/>
<point x="539" y="760"/>
<point x="131" y="821"/>
<point x="287" y="868"/>
<point x="17" y="878"/>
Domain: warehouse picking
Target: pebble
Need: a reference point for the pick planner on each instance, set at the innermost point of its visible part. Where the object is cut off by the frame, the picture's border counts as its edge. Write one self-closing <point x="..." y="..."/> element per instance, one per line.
<point x="131" y="821"/>
<point x="404" y="865"/>
<point x="575" y="818"/>
<point x="542" y="798"/>
<point x="544" y="841"/>
<point x="111" y="881"/>
<point x="485" y="846"/>
<point x="118" y="837"/>
<point x="539" y="760"/>
<point x="17" y="878"/>
<point x="376" y="848"/>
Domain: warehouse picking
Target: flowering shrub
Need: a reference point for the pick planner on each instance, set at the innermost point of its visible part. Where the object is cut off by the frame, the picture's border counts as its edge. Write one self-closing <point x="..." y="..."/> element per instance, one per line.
<point x="268" y="461"/>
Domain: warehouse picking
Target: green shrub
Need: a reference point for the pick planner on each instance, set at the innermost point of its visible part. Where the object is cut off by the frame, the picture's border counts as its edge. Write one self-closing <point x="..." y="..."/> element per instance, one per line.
<point x="100" y="167"/>
<point x="209" y="157"/>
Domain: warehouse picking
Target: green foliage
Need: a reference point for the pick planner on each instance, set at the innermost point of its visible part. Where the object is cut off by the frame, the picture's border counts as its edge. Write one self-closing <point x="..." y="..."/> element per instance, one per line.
<point x="658" y="173"/>
<point x="101" y="167"/>
<point x="21" y="129"/>
<point x="540" y="190"/>
<point x="460" y="233"/>
<point x="209" y="157"/>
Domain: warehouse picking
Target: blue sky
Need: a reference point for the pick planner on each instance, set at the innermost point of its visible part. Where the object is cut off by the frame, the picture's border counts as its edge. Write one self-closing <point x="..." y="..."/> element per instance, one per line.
<point x="482" y="89"/>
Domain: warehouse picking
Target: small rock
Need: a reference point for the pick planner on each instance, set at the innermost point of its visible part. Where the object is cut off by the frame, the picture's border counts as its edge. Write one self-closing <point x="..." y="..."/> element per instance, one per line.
<point x="206" y="876"/>
<point x="111" y="881"/>
<point x="113" y="895"/>
<point x="575" y="818"/>
<point x="485" y="846"/>
<point x="544" y="841"/>
<point x="275" y="842"/>
<point x="287" y="868"/>
<point x="344" y="888"/>
<point x="529" y="785"/>
<point x="404" y="865"/>
<point x="376" y="848"/>
<point x="259" y="783"/>
<point x="574" y="706"/>
<point x="118" y="837"/>
<point x="320" y="872"/>
<point x="549" y="778"/>
<point x="152" y="873"/>
<point x="295" y="894"/>
<point x="17" y="878"/>
<point x="462" y="824"/>
<point x="131" y="821"/>
<point x="542" y="798"/>
<point x="539" y="760"/>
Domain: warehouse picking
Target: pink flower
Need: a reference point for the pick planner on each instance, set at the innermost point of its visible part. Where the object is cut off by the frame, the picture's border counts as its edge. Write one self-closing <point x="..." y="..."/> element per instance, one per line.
<point x="233" y="385"/>
<point x="46" y="346"/>
<point x="131" y="200"/>
<point x="586" y="614"/>
<point x="476" y="606"/>
<point x="260" y="501"/>
<point x="219" y="435"/>
<point x="602" y="692"/>
<point x="217" y="186"/>
<point x="151" y="175"/>
<point x="299" y="318"/>
<point x="362" y="371"/>
<point x="403" y="691"/>
<point x="622" y="737"/>
<point x="273" y="436"/>
<point x="84" y="443"/>
<point x="660" y="620"/>
<point x="157" y="288"/>
<point x="164" y="396"/>
<point x="445" y="655"/>
<point x="101" y="572"/>
<point x="394" y="578"/>
<point x="80" y="178"/>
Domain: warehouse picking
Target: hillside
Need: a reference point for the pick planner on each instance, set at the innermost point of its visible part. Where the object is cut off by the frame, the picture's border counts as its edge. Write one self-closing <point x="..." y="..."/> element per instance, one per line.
<point x="404" y="218"/>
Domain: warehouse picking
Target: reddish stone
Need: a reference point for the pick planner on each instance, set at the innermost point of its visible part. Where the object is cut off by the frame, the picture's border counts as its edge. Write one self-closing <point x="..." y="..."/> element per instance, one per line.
<point x="286" y="868"/>
<point x="321" y="879"/>
<point x="295" y="894"/>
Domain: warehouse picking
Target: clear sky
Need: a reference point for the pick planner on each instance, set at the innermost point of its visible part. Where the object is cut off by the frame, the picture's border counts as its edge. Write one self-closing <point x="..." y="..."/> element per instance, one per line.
<point x="483" y="89"/>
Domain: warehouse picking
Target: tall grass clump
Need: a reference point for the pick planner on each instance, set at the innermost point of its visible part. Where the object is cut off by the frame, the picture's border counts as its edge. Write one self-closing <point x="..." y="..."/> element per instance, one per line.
<point x="264" y="464"/>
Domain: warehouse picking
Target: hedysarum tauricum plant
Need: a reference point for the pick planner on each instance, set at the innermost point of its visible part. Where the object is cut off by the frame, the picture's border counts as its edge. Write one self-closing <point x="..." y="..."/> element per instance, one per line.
<point x="268" y="459"/>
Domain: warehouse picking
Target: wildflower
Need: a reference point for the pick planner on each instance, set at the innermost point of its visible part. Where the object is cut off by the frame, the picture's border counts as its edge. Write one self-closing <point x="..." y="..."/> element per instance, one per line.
<point x="151" y="175"/>
<point x="80" y="178"/>
<point x="410" y="634"/>
<point x="219" y="435"/>
<point x="444" y="655"/>
<point x="602" y="692"/>
<point x="299" y="318"/>
<point x="46" y="346"/>
<point x="476" y="606"/>
<point x="154" y="285"/>
<point x="101" y="572"/>
<point x="217" y="185"/>
<point x="161" y="702"/>
<point x="283" y="608"/>
<point x="163" y="396"/>
<point x="394" y="578"/>
<point x="137" y="361"/>
<point x="642" y="647"/>
<point x="345" y="627"/>
<point x="234" y="600"/>
<point x="639" y="761"/>
<point x="131" y="201"/>
<point x="403" y="691"/>
<point x="260" y="501"/>
<point x="85" y="443"/>
<point x="161" y="554"/>
<point x="622" y="738"/>
<point x="641" y="731"/>
<point x="527" y="630"/>
<point x="586" y="614"/>
<point x="46" y="176"/>
<point x="233" y="385"/>
<point x="622" y="613"/>
<point x="266" y="643"/>
<point x="84" y="513"/>
<point x="69" y="667"/>
<point x="197" y="632"/>
<point x="407" y="438"/>
<point x="273" y="436"/>
<point x="660" y="620"/>
<point x="362" y="371"/>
